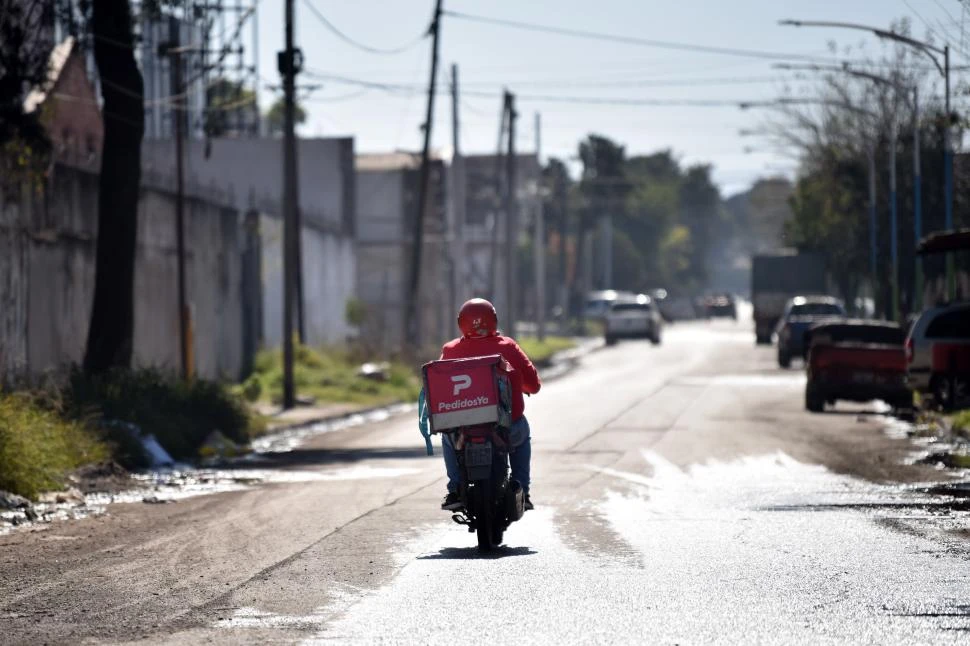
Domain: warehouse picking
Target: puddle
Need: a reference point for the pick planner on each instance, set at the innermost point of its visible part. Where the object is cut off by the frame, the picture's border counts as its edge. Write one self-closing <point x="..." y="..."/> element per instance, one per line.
<point x="784" y="380"/>
<point x="289" y="439"/>
<point x="183" y="481"/>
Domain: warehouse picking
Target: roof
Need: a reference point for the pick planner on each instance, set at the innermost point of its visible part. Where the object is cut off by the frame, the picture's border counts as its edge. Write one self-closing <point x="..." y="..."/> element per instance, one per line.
<point x="398" y="160"/>
<point x="803" y="300"/>
<point x="944" y="241"/>
<point x="58" y="59"/>
<point x="856" y="323"/>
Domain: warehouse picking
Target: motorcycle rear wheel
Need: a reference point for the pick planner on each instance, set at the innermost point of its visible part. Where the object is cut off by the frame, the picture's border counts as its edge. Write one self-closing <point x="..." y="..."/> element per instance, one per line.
<point x="485" y="519"/>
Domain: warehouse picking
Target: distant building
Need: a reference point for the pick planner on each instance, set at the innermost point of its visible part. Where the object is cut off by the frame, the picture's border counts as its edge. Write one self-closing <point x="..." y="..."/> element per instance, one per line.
<point x="387" y="196"/>
<point x="483" y="265"/>
<point x="459" y="259"/>
<point x="68" y="108"/>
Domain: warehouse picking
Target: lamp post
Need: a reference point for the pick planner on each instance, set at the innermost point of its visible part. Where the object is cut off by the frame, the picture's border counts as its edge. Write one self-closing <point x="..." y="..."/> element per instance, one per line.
<point x="870" y="155"/>
<point x="932" y="52"/>
<point x="893" y="220"/>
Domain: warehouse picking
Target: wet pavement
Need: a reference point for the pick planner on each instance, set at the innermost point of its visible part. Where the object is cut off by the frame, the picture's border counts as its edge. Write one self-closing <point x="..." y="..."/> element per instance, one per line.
<point x="683" y="496"/>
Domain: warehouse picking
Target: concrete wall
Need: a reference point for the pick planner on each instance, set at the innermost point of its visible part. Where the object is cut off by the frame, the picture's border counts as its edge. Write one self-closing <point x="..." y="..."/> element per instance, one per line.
<point x="329" y="273"/>
<point x="47" y="258"/>
<point x="247" y="174"/>
<point x="386" y="204"/>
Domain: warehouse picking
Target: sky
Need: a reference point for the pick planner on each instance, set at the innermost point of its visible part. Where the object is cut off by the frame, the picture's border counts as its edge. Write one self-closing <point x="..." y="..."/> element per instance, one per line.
<point x="552" y="74"/>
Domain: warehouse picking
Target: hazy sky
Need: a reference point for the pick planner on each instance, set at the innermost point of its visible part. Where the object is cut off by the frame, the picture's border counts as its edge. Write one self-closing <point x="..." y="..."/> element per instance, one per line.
<point x="536" y="65"/>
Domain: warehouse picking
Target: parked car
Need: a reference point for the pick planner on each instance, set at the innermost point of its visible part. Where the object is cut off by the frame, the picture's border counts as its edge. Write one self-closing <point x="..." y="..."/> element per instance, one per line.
<point x="637" y="319"/>
<point x="938" y="352"/>
<point x="721" y="305"/>
<point x="677" y="308"/>
<point x="801" y="313"/>
<point x="856" y="360"/>
<point x="598" y="303"/>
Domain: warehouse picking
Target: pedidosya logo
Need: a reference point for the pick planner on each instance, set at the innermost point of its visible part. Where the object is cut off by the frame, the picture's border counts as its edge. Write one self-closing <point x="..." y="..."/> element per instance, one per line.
<point x="463" y="403"/>
<point x="461" y="382"/>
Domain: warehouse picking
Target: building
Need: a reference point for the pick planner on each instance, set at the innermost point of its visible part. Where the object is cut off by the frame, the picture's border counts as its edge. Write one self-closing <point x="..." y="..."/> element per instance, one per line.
<point x="387" y="196"/>
<point x="68" y="108"/>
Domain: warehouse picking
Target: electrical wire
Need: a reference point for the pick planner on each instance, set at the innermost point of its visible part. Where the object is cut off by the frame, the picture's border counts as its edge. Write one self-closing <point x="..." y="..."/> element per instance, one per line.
<point x="741" y="80"/>
<point x="355" y="43"/>
<point x="631" y="40"/>
<point x="409" y="90"/>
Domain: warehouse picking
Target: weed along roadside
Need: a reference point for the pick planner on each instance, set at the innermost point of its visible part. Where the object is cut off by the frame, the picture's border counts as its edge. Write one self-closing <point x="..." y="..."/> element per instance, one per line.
<point x="46" y="434"/>
<point x="100" y="438"/>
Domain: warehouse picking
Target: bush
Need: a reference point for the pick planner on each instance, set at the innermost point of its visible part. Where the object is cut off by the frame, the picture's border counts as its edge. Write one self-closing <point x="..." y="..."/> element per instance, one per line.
<point x="541" y="351"/>
<point x="961" y="420"/>
<point x="331" y="375"/>
<point x="38" y="448"/>
<point x="180" y="414"/>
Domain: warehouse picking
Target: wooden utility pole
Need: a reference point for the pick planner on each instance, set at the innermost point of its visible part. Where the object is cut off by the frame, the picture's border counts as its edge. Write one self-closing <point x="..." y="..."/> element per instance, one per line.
<point x="173" y="50"/>
<point x="540" y="241"/>
<point x="457" y="199"/>
<point x="512" y="223"/>
<point x="289" y="62"/>
<point x="494" y="251"/>
<point x="417" y="241"/>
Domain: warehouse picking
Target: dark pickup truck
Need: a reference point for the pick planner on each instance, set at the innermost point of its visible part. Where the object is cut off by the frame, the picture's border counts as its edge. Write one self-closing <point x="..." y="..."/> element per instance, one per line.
<point x="857" y="360"/>
<point x="801" y="313"/>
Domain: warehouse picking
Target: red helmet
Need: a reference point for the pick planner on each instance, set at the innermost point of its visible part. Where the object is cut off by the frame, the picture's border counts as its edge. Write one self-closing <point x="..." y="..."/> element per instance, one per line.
<point x="477" y="318"/>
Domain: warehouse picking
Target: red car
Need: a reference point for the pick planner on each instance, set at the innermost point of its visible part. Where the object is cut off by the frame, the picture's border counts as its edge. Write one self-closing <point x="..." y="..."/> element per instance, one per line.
<point x="856" y="360"/>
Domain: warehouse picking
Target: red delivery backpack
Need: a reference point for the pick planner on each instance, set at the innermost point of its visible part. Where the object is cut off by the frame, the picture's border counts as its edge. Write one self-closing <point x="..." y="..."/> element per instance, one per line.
<point x="468" y="392"/>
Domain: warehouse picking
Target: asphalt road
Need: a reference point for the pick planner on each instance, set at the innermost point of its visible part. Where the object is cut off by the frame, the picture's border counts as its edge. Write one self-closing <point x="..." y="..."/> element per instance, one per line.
<point x="683" y="496"/>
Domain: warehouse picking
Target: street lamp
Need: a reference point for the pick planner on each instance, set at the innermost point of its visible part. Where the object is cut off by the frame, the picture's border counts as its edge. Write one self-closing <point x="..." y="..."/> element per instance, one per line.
<point x="931" y="52"/>
<point x="870" y="157"/>
<point x="917" y="198"/>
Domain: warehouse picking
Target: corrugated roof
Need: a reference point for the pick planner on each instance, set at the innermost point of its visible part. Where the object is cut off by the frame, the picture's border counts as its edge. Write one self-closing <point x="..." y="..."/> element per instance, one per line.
<point x="58" y="58"/>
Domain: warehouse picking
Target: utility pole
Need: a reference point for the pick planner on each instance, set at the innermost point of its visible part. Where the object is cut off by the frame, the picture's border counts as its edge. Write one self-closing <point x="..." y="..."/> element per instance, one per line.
<point x="290" y="61"/>
<point x="563" y="199"/>
<point x="540" y="241"/>
<point x="893" y="221"/>
<point x="414" y="279"/>
<point x="512" y="223"/>
<point x="873" y="252"/>
<point x="948" y="178"/>
<point x="457" y="198"/>
<point x="917" y="203"/>
<point x="607" y="232"/>
<point x="174" y="51"/>
<point x="494" y="251"/>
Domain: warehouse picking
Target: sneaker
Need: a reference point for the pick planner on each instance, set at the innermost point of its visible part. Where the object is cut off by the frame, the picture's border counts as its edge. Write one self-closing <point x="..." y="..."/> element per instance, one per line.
<point x="451" y="502"/>
<point x="528" y="503"/>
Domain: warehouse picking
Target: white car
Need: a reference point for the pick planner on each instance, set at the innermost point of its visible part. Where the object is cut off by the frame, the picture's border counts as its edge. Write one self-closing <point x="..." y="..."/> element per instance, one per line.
<point x="949" y="326"/>
<point x="638" y="318"/>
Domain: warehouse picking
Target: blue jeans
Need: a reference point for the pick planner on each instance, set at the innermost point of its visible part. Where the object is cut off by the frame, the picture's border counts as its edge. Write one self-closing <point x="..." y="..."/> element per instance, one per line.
<point x="519" y="459"/>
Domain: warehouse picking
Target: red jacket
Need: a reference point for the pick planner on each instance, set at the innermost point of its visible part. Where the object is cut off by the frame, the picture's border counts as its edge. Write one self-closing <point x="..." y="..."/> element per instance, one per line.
<point x="525" y="379"/>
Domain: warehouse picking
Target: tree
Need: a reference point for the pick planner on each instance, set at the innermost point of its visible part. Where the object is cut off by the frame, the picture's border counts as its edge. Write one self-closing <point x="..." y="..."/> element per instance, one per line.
<point x="25" y="46"/>
<point x="274" y="117"/>
<point x="231" y="109"/>
<point x="702" y="212"/>
<point x="110" y="335"/>
<point x="601" y="190"/>
<point x="833" y="138"/>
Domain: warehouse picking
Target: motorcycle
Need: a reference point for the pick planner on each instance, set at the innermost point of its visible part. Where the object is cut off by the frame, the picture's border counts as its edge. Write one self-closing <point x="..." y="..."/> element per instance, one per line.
<point x="491" y="501"/>
<point x="469" y="401"/>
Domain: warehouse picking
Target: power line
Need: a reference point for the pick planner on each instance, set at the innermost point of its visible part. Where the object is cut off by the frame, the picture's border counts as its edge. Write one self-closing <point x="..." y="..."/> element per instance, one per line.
<point x="355" y="43"/>
<point x="738" y="80"/>
<point x="631" y="40"/>
<point x="414" y="90"/>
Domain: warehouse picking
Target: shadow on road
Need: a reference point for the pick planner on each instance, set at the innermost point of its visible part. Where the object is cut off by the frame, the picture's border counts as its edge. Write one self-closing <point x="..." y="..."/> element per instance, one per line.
<point x="322" y="457"/>
<point x="472" y="553"/>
